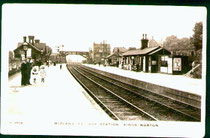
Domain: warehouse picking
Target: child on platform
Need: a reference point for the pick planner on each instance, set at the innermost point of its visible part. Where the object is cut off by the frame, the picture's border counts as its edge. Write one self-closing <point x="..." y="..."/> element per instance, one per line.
<point x="34" y="74"/>
<point x="42" y="73"/>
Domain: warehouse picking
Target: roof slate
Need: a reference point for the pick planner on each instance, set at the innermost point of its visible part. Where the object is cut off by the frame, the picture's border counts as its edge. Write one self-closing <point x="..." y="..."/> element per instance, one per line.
<point x="20" y="44"/>
<point x="40" y="46"/>
<point x="140" y="51"/>
<point x="114" y="54"/>
<point x="121" y="49"/>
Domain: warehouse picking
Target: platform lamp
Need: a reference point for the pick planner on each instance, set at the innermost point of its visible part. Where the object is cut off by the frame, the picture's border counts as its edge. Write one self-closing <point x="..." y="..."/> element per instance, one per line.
<point x="25" y="48"/>
<point x="132" y="57"/>
<point x="42" y="52"/>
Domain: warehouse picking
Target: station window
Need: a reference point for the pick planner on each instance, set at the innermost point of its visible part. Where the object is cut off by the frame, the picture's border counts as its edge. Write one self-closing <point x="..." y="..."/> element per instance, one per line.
<point x="140" y="61"/>
<point x="164" y="61"/>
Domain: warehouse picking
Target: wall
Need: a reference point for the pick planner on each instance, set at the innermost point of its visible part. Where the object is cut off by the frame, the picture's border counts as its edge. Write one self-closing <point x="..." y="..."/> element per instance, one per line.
<point x="189" y="98"/>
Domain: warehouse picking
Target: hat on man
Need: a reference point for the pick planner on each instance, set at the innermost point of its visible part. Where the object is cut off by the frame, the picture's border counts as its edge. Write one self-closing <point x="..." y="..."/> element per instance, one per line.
<point x="42" y="67"/>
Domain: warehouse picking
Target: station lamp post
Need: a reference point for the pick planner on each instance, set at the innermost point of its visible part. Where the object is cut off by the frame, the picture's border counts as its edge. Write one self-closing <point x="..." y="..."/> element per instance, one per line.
<point x="60" y="52"/>
<point x="42" y="54"/>
<point x="132" y="59"/>
<point x="25" y="48"/>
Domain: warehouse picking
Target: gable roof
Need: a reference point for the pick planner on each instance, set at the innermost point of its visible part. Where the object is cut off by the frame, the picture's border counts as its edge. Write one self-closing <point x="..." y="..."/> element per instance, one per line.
<point x="152" y="43"/>
<point x="140" y="51"/>
<point x="155" y="51"/>
<point x="121" y="49"/>
<point x="40" y="46"/>
<point x="21" y="44"/>
<point x="114" y="54"/>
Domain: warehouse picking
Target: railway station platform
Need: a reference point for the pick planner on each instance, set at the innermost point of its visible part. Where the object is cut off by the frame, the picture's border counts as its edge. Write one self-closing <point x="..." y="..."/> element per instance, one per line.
<point x="60" y="98"/>
<point x="178" y="82"/>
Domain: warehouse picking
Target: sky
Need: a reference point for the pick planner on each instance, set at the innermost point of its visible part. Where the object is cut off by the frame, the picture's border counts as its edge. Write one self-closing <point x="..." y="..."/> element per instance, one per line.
<point x="77" y="27"/>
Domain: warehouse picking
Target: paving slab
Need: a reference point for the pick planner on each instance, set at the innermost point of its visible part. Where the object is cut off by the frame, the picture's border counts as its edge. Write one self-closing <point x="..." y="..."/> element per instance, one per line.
<point x="60" y="98"/>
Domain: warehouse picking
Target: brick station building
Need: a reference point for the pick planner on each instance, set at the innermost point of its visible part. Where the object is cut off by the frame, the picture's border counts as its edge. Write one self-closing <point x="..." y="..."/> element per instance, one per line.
<point x="33" y="49"/>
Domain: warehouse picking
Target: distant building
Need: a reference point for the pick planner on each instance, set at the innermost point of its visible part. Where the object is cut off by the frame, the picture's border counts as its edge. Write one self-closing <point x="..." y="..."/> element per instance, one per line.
<point x="90" y="59"/>
<point x="54" y="57"/>
<point x="152" y="43"/>
<point x="113" y="59"/>
<point x="119" y="49"/>
<point x="32" y="49"/>
<point x="100" y="51"/>
<point x="57" y="58"/>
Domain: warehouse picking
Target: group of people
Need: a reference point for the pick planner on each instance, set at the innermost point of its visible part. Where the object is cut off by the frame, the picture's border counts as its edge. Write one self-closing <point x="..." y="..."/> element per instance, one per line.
<point x="31" y="71"/>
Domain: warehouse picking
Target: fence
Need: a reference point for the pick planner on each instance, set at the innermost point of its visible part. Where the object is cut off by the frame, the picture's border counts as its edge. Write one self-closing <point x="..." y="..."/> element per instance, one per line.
<point x="14" y="67"/>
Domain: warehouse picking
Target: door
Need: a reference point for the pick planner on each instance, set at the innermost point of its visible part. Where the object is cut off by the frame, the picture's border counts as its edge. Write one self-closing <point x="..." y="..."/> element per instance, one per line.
<point x="154" y="64"/>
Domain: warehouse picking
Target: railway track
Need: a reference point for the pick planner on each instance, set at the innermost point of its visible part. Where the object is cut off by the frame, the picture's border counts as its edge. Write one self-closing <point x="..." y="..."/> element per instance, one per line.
<point x="125" y="102"/>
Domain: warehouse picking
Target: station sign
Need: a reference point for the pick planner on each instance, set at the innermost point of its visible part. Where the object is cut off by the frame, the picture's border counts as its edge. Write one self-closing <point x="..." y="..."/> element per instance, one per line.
<point x="154" y="62"/>
<point x="28" y="53"/>
<point x="177" y="64"/>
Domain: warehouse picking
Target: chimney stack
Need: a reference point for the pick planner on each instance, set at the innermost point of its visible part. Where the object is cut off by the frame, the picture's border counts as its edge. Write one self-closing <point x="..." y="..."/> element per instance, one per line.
<point x="24" y="39"/>
<point x="37" y="41"/>
<point x="31" y="39"/>
<point x="144" y="41"/>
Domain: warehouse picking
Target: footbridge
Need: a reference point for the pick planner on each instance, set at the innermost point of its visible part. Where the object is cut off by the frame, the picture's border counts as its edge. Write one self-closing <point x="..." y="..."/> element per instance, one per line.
<point x="81" y="53"/>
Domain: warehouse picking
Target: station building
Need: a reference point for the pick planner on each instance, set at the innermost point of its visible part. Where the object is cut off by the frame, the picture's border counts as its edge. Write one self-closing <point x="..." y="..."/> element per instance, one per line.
<point x="100" y="52"/>
<point x="152" y="59"/>
<point x="113" y="59"/>
<point x="32" y="49"/>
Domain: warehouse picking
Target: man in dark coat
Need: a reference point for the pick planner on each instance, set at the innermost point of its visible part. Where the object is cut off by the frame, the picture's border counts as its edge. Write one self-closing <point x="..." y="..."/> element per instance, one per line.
<point x="28" y="71"/>
<point x="23" y="70"/>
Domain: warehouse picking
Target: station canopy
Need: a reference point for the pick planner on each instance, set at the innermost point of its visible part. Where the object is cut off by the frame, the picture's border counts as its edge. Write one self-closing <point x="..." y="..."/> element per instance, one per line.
<point x="146" y="51"/>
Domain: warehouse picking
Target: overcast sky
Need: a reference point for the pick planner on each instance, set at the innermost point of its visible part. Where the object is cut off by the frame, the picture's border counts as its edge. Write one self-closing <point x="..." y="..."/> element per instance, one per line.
<point x="78" y="26"/>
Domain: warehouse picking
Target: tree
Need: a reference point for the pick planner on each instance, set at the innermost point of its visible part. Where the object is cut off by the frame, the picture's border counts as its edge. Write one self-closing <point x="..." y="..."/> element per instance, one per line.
<point x="196" y="39"/>
<point x="185" y="43"/>
<point x="173" y="43"/>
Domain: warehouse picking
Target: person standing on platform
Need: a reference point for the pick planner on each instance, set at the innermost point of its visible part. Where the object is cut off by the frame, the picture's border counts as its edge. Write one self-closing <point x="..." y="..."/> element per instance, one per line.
<point x="38" y="62"/>
<point x="35" y="72"/>
<point x="117" y="63"/>
<point x="42" y="73"/>
<point x="137" y="67"/>
<point x="28" y="71"/>
<point x="23" y="70"/>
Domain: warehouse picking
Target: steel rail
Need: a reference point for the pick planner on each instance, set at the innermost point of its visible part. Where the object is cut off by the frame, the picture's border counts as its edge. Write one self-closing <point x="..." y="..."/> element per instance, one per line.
<point x="95" y="97"/>
<point x="150" y="99"/>
<point x="88" y="68"/>
<point x="122" y="99"/>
